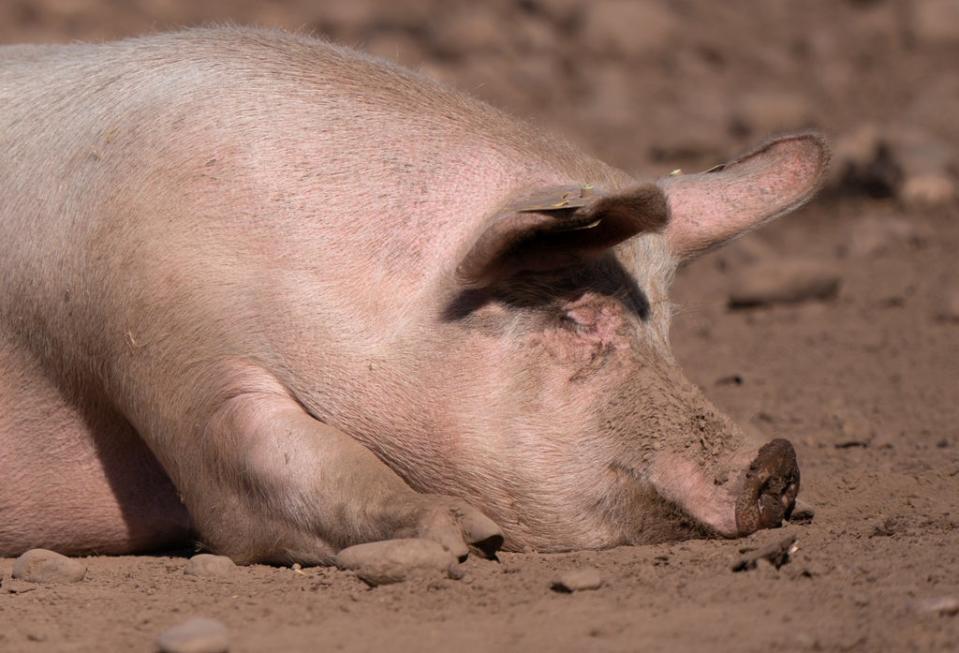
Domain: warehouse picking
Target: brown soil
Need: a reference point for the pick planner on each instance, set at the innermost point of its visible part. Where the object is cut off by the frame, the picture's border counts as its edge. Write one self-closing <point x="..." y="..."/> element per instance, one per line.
<point x="864" y="380"/>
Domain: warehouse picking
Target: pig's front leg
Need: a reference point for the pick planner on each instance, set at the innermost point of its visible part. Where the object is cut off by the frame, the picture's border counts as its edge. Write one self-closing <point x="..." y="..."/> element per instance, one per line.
<point x="268" y="482"/>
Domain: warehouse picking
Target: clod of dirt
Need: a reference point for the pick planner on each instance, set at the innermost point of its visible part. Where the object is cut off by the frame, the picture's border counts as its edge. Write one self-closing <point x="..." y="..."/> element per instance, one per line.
<point x="209" y="566"/>
<point x="393" y="561"/>
<point x="863" y="162"/>
<point x="928" y="190"/>
<point x="803" y="513"/>
<point x="196" y="635"/>
<point x="578" y="580"/>
<point x="14" y="586"/>
<point x="783" y="282"/>
<point x="887" y="527"/>
<point x="43" y="566"/>
<point x="776" y="554"/>
<point x="944" y="606"/>
<point x="948" y="309"/>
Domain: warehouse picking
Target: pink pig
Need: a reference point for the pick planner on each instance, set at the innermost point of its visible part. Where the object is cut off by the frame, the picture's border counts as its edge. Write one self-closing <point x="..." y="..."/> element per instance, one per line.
<point x="283" y="298"/>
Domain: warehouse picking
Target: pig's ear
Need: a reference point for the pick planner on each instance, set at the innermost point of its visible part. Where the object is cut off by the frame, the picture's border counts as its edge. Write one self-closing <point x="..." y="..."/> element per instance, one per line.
<point x="558" y="227"/>
<point x="712" y="207"/>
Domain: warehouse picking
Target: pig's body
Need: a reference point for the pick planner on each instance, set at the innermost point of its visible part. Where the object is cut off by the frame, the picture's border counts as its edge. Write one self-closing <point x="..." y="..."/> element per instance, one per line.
<point x="236" y="262"/>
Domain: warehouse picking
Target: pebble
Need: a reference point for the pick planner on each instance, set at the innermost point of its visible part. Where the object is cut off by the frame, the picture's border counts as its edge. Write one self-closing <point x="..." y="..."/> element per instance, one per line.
<point x="43" y="566"/>
<point x="209" y="566"/>
<point x="775" y="554"/>
<point x="14" y="586"/>
<point x="578" y="580"/>
<point x="196" y="635"/>
<point x="944" y="606"/>
<point x="394" y="561"/>
<point x="783" y="282"/>
<point x="928" y="190"/>
<point x="851" y="427"/>
<point x="948" y="308"/>
<point x="802" y="512"/>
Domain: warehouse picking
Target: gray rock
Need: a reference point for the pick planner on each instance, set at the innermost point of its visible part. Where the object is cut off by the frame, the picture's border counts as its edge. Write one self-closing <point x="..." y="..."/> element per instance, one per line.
<point x="393" y="561"/>
<point x="196" y="635"/>
<point x="578" y="580"/>
<point x="928" y="190"/>
<point x="209" y="566"/>
<point x="43" y="566"/>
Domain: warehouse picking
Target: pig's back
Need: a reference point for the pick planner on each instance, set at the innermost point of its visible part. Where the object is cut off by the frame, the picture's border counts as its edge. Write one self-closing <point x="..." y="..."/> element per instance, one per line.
<point x="269" y="137"/>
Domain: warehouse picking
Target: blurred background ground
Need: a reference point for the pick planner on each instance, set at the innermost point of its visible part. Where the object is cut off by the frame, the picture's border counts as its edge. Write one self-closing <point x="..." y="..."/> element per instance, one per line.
<point x="864" y="377"/>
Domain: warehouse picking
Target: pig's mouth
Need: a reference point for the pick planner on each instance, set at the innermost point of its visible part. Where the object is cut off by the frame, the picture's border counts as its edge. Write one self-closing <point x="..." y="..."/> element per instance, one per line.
<point x="769" y="490"/>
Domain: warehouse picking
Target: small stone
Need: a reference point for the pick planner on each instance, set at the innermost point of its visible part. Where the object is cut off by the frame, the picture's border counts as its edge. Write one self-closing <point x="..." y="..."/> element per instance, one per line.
<point x="209" y="566"/>
<point x="14" y="586"/>
<point x="43" y="566"/>
<point x="196" y="635"/>
<point x="775" y="554"/>
<point x="928" y="190"/>
<point x="803" y="512"/>
<point x="850" y="425"/>
<point x="578" y="580"/>
<point x="783" y="282"/>
<point x="394" y="561"/>
<point x="948" y="308"/>
<point x="944" y="606"/>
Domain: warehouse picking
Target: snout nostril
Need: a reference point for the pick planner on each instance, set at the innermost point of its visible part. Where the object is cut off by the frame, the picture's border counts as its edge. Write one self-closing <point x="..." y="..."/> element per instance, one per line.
<point x="770" y="487"/>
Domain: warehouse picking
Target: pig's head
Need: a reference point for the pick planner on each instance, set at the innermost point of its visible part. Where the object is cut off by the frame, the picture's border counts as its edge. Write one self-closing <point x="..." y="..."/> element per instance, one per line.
<point x="560" y="410"/>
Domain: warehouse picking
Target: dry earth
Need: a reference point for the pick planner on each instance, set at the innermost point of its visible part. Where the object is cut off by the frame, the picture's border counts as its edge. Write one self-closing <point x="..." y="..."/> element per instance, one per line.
<point x="865" y="381"/>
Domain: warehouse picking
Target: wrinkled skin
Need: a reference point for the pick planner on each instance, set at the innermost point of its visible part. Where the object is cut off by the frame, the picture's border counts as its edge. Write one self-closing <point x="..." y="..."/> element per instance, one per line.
<point x="284" y="299"/>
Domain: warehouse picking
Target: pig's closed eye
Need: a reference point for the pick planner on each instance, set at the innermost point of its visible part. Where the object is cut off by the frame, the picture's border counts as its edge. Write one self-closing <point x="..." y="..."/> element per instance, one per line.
<point x="573" y="324"/>
<point x="582" y="319"/>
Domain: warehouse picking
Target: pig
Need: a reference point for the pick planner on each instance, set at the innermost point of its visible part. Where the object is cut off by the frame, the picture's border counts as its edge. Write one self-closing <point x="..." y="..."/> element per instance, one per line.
<point x="278" y="297"/>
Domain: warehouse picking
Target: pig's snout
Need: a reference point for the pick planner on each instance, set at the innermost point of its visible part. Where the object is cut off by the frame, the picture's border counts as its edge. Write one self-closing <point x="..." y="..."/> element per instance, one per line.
<point x="769" y="489"/>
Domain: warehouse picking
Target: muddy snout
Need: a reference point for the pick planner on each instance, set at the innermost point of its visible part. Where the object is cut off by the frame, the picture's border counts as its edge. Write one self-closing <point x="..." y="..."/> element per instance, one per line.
<point x="769" y="488"/>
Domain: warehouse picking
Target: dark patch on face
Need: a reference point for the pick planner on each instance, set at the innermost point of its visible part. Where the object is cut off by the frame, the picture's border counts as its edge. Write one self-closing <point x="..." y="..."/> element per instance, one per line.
<point x="543" y="291"/>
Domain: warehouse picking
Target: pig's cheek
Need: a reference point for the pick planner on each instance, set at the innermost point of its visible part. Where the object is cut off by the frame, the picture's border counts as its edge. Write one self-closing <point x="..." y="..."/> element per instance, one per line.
<point x="568" y="348"/>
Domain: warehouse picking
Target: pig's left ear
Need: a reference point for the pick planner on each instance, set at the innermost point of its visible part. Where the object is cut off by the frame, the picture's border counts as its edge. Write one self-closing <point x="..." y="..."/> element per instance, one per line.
<point x="715" y="206"/>
<point x="558" y="227"/>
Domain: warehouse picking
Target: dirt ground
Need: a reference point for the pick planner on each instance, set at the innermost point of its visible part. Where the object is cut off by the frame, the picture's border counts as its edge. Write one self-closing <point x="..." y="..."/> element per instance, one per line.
<point x="865" y="382"/>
